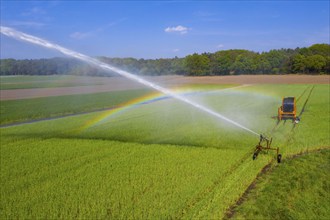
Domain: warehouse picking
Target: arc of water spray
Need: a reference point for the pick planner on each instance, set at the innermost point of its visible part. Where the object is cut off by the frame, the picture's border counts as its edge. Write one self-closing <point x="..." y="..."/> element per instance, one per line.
<point x="44" y="43"/>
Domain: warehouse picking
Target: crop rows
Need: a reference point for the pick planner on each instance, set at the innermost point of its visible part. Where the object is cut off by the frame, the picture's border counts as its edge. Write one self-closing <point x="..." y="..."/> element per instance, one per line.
<point x="160" y="160"/>
<point x="64" y="178"/>
<point x="31" y="109"/>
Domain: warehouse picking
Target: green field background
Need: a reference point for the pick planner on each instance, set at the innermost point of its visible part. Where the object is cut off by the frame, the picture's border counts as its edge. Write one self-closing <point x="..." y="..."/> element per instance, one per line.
<point x="158" y="160"/>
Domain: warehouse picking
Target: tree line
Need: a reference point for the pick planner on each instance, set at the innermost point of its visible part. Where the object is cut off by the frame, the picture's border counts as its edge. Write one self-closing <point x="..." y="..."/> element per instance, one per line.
<point x="308" y="60"/>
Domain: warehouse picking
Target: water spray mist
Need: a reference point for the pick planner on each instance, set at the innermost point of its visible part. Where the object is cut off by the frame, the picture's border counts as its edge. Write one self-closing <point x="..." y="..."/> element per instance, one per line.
<point x="44" y="43"/>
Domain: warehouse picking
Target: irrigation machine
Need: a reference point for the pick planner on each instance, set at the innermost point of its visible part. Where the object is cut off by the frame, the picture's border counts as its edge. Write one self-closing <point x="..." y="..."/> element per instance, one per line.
<point x="288" y="110"/>
<point x="265" y="144"/>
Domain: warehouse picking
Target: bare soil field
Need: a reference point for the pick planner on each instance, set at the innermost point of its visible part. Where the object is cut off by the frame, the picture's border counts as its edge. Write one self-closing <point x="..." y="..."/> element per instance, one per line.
<point x="121" y="83"/>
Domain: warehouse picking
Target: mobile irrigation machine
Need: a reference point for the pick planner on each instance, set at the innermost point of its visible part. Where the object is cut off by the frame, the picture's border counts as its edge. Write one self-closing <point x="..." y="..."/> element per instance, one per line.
<point x="288" y="110"/>
<point x="265" y="144"/>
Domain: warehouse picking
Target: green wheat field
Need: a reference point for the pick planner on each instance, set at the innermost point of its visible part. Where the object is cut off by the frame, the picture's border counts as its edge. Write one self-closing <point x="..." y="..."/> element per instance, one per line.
<point x="163" y="159"/>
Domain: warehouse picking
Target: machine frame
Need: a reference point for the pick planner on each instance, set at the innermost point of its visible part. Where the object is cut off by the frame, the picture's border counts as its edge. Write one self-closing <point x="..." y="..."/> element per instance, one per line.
<point x="284" y="114"/>
<point x="267" y="146"/>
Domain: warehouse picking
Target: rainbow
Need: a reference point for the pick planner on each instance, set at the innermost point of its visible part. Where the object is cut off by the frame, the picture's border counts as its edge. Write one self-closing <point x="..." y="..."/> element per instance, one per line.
<point x="105" y="115"/>
<point x="146" y="99"/>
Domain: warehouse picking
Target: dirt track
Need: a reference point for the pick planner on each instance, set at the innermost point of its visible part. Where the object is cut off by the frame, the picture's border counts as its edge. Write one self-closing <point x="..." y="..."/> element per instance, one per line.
<point x="120" y="83"/>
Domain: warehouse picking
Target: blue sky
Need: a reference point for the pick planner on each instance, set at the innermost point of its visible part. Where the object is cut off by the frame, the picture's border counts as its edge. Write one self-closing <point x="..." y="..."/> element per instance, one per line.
<point x="163" y="29"/>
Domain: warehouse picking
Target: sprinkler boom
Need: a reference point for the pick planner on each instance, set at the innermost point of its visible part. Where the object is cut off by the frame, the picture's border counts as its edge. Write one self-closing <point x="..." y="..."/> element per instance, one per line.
<point x="265" y="144"/>
<point x="44" y="43"/>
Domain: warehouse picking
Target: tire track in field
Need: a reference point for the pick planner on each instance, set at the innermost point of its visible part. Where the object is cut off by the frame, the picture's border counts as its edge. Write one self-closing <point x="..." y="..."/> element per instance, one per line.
<point x="231" y="211"/>
<point x="300" y="96"/>
<point x="290" y="136"/>
<point x="308" y="87"/>
<point x="303" y="108"/>
<point x="305" y="104"/>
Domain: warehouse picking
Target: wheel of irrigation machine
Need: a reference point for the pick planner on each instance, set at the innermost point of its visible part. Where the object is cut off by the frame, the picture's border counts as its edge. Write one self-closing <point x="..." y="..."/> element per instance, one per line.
<point x="279" y="158"/>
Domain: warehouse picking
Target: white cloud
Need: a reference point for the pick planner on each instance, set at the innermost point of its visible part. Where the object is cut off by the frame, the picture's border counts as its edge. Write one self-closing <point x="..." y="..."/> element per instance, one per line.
<point x="178" y="29"/>
<point x="220" y="46"/>
<point x="176" y="50"/>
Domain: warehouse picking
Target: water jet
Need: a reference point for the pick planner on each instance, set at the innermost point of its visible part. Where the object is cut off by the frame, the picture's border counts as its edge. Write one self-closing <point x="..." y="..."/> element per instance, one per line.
<point x="44" y="43"/>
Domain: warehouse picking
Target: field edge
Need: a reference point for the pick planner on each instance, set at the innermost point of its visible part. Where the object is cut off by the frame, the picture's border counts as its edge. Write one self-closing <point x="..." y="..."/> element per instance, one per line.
<point x="266" y="170"/>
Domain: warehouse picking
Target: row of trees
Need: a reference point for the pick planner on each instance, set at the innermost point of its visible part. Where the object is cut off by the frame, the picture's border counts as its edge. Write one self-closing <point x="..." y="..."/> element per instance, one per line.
<point x="311" y="60"/>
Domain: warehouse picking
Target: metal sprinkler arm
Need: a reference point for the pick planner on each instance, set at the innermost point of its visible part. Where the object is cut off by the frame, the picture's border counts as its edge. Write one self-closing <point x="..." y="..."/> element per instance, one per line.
<point x="263" y="138"/>
<point x="267" y="146"/>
